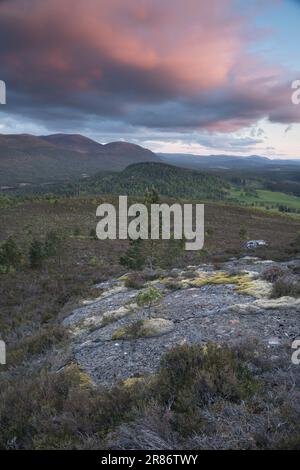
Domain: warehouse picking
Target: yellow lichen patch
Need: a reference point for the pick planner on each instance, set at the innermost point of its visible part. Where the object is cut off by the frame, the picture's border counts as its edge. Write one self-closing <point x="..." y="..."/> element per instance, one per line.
<point x="119" y="334"/>
<point x="99" y="320"/>
<point x="114" y="315"/>
<point x="255" y="287"/>
<point x="224" y="278"/>
<point x="144" y="329"/>
<point x="156" y="327"/>
<point x="198" y="281"/>
<point x="85" y="380"/>
<point x="165" y="280"/>
<point x="262" y="305"/>
<point x="78" y="328"/>
<point x="131" y="381"/>
<point x="245" y="284"/>
<point x="219" y="277"/>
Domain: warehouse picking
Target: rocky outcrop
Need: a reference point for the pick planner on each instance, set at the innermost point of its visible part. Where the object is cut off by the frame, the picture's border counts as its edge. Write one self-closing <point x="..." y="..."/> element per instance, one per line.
<point x="114" y="339"/>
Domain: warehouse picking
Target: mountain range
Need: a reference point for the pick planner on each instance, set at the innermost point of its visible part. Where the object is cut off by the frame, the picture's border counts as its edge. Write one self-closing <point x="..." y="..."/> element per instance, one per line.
<point x="40" y="160"/>
<point x="224" y="162"/>
<point x="27" y="159"/>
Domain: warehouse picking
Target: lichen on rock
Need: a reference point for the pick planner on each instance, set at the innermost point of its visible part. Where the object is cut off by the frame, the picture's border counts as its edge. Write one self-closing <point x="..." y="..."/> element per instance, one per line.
<point x="245" y="282"/>
<point x="116" y="339"/>
<point x="261" y="305"/>
<point x="144" y="328"/>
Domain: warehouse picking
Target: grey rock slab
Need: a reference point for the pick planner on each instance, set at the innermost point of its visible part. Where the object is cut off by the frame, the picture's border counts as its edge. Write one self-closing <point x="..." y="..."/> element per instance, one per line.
<point x="198" y="314"/>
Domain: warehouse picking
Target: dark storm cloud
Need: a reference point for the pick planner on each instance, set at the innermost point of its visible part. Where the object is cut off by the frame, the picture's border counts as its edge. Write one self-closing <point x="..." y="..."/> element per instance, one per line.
<point x="162" y="65"/>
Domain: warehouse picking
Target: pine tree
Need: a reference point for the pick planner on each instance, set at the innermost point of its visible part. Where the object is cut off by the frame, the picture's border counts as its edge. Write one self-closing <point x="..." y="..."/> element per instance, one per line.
<point x="149" y="298"/>
<point x="36" y="254"/>
<point x="10" y="255"/>
<point x="53" y="243"/>
<point x="134" y="258"/>
<point x="151" y="246"/>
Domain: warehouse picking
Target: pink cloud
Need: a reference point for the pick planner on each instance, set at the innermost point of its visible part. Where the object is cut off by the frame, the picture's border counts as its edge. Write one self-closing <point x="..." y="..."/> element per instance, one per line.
<point x="193" y="41"/>
<point x="141" y="52"/>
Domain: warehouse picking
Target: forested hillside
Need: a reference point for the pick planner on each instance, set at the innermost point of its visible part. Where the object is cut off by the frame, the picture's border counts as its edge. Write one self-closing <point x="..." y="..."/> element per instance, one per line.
<point x="166" y="179"/>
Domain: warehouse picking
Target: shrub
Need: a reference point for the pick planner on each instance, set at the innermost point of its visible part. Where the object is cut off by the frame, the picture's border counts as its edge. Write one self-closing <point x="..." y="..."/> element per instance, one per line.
<point x="289" y="443"/>
<point x="201" y="397"/>
<point x="10" y="255"/>
<point x="77" y="232"/>
<point x="286" y="286"/>
<point x="94" y="261"/>
<point x="38" y="343"/>
<point x="135" y="257"/>
<point x="272" y="273"/>
<point x="135" y="281"/>
<point x="59" y="411"/>
<point x="53" y="243"/>
<point x="173" y="285"/>
<point x="296" y="242"/>
<point x="4" y="269"/>
<point x="131" y="331"/>
<point x="196" y="375"/>
<point x="93" y="234"/>
<point x="36" y="254"/>
<point x="243" y="234"/>
<point x="152" y="275"/>
<point x="174" y="273"/>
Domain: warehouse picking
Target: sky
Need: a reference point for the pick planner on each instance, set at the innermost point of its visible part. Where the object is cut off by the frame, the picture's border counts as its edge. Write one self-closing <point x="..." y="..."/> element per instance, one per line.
<point x="181" y="76"/>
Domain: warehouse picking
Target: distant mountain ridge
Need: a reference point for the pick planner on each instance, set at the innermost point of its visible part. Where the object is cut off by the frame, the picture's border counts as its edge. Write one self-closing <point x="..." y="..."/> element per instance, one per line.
<point x="28" y="160"/>
<point x="75" y="142"/>
<point x="223" y="161"/>
<point x="25" y="158"/>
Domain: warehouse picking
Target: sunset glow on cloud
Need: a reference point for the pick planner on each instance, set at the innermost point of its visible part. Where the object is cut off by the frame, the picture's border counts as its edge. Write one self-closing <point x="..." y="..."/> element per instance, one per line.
<point x="173" y="75"/>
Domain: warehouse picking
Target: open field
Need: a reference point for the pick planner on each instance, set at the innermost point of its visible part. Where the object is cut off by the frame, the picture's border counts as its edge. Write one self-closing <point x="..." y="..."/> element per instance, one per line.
<point x="268" y="199"/>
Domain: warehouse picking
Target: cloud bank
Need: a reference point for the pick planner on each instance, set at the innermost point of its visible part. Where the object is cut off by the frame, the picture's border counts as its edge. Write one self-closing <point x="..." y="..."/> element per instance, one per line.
<point x="159" y="65"/>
